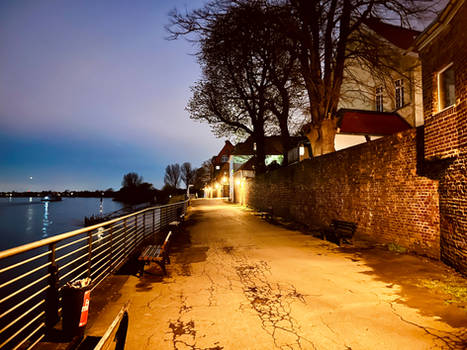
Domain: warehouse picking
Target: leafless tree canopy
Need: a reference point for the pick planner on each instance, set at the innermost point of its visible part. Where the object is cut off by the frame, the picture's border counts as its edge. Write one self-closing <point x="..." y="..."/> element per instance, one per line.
<point x="172" y="175"/>
<point x="249" y="83"/>
<point x="131" y="180"/>
<point x="187" y="174"/>
<point x="254" y="52"/>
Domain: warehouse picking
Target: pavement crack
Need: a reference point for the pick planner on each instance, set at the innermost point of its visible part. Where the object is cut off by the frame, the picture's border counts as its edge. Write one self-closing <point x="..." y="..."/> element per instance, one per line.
<point x="449" y="340"/>
<point x="184" y="332"/>
<point x="272" y="303"/>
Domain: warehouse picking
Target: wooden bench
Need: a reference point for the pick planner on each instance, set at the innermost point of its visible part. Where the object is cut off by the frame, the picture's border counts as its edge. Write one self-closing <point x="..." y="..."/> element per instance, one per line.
<point x="158" y="254"/>
<point x="174" y="226"/>
<point x="267" y="214"/>
<point x="114" y="337"/>
<point x="341" y="231"/>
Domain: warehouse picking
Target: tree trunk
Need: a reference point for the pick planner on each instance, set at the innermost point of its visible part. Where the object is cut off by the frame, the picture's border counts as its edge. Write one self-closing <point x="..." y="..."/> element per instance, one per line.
<point x="321" y="137"/>
<point x="285" y="139"/>
<point x="260" y="166"/>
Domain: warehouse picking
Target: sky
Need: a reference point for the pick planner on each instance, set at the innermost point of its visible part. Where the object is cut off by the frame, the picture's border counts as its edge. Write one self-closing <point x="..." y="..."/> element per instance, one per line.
<point x="92" y="90"/>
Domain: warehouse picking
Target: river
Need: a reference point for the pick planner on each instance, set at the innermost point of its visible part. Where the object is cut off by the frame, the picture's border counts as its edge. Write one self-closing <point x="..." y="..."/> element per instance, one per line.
<point x="25" y="220"/>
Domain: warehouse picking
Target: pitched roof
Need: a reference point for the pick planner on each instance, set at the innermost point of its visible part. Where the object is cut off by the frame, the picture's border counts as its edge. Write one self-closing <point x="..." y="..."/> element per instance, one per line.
<point x="399" y="36"/>
<point x="359" y="122"/>
<point x="226" y="150"/>
<point x="440" y="23"/>
<point x="248" y="165"/>
<point x="272" y="145"/>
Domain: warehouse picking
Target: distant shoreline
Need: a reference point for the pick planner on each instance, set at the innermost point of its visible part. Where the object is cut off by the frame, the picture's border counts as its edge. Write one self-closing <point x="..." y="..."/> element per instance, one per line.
<point x="65" y="194"/>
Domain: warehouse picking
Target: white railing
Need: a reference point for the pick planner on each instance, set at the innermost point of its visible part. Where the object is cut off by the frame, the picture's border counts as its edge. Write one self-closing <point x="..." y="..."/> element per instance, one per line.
<point x="32" y="275"/>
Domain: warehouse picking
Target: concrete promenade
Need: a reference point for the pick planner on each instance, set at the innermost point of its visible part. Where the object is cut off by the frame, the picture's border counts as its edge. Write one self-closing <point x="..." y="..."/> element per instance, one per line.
<point x="238" y="282"/>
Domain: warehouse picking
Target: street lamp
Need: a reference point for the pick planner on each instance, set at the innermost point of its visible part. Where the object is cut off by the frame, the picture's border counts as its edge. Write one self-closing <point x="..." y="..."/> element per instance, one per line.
<point x="188" y="191"/>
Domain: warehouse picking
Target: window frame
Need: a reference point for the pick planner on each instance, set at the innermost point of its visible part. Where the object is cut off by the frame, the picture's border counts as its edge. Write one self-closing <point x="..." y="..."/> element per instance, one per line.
<point x="438" y="84"/>
<point x="399" y="93"/>
<point x="379" y="101"/>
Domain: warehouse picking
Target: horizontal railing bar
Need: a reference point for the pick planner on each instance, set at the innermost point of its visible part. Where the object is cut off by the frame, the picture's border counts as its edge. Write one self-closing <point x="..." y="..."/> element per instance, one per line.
<point x="77" y="276"/>
<point x="40" y="338"/>
<point x="24" y="275"/>
<point x="57" y="238"/>
<point x="71" y="262"/>
<point x="24" y="301"/>
<point x="70" y="272"/>
<point x="60" y="258"/>
<point x="119" y="236"/>
<point x="20" y="317"/>
<point x="24" y="261"/>
<point x="71" y="243"/>
<point x="100" y="247"/>
<point x="23" y="289"/>
<point x="105" y="267"/>
<point x="22" y="329"/>
<point x="98" y="255"/>
<point x="30" y="335"/>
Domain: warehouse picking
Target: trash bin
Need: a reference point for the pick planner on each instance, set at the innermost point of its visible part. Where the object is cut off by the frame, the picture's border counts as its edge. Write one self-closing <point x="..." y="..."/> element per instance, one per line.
<point x="75" y="307"/>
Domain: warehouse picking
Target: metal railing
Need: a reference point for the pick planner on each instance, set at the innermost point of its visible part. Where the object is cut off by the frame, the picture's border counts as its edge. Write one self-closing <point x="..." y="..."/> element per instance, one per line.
<point x="32" y="275"/>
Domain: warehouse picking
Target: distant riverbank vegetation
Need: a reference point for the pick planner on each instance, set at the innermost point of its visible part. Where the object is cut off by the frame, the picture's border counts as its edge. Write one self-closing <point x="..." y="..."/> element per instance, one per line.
<point x="135" y="190"/>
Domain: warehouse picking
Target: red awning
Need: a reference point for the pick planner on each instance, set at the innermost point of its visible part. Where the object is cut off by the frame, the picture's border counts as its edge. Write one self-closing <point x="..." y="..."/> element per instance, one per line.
<point x="370" y="122"/>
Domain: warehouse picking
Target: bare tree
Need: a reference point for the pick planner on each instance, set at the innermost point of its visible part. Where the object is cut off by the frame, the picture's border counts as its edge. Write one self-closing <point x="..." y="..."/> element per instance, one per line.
<point x="172" y="175"/>
<point x="187" y="174"/>
<point x="247" y="72"/>
<point x="330" y="36"/>
<point x="131" y="180"/>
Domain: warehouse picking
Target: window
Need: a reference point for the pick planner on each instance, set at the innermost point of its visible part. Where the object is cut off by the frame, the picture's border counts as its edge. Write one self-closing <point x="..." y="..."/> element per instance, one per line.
<point x="224" y="159"/>
<point x="399" y="93"/>
<point x="446" y="88"/>
<point x="218" y="167"/>
<point x="379" y="99"/>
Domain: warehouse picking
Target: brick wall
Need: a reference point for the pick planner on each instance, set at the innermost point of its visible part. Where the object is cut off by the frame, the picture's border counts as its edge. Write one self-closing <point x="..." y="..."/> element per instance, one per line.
<point x="374" y="184"/>
<point x="446" y="136"/>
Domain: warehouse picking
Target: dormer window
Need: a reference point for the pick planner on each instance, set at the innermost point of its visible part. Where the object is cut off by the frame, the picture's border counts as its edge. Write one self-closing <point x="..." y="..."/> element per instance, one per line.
<point x="379" y="99"/>
<point x="399" y="93"/>
<point x="446" y="88"/>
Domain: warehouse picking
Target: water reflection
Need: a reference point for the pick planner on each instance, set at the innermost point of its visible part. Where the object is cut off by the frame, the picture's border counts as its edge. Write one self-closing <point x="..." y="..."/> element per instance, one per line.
<point x="29" y="219"/>
<point x="45" y="220"/>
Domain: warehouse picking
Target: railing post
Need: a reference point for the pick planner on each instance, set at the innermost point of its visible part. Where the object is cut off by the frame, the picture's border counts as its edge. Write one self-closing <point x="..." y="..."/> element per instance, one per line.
<point x="89" y="253"/>
<point x="51" y="301"/>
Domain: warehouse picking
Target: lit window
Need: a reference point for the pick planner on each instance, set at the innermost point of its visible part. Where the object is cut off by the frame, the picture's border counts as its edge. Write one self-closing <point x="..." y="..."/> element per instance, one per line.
<point x="446" y="88"/>
<point x="218" y="167"/>
<point x="301" y="151"/>
<point x="399" y="93"/>
<point x="379" y="99"/>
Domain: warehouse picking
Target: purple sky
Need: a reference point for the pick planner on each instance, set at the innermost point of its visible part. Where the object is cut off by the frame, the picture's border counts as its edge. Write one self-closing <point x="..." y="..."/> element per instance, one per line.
<point x="91" y="90"/>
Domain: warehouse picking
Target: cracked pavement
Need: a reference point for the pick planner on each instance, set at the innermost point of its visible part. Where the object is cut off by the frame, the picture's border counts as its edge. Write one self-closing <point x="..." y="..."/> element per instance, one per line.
<point x="238" y="282"/>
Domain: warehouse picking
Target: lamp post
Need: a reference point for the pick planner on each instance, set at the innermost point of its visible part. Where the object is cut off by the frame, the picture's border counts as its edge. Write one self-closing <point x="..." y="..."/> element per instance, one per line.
<point x="188" y="191"/>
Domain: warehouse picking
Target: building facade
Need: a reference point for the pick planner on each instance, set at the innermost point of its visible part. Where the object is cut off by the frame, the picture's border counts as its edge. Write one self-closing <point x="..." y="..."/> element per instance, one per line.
<point x="443" y="52"/>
